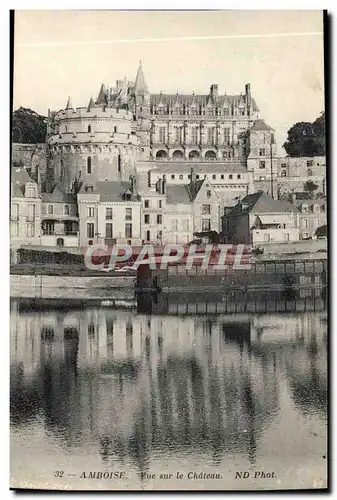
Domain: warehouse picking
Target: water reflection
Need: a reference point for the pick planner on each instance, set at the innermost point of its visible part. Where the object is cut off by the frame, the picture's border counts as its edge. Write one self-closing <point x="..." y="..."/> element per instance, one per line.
<point x="134" y="386"/>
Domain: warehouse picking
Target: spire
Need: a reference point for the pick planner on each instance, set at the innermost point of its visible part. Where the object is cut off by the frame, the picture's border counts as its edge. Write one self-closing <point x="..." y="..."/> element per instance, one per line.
<point x="101" y="95"/>
<point x="140" y="83"/>
<point x="69" y="105"/>
<point x="91" y="104"/>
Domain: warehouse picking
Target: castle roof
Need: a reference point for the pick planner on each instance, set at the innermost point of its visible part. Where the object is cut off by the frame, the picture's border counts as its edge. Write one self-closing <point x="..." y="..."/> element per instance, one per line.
<point x="200" y="99"/>
<point x="69" y="104"/>
<point x="101" y="95"/>
<point x="91" y="104"/>
<point x="140" y="86"/>
<point x="260" y="125"/>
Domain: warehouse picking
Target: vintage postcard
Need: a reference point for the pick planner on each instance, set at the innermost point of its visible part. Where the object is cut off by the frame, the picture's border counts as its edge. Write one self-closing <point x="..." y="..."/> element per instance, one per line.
<point x="169" y="276"/>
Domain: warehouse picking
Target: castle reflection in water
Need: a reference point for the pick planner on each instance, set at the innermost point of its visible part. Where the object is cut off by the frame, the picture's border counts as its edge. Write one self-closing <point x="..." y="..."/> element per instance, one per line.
<point x="128" y="383"/>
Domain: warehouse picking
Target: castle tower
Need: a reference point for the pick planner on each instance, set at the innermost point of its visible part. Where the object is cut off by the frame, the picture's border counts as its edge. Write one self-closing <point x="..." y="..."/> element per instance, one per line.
<point x="142" y="112"/>
<point x="92" y="143"/>
<point x="262" y="161"/>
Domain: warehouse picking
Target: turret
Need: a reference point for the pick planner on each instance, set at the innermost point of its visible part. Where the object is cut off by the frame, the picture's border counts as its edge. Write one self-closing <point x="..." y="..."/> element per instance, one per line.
<point x="69" y="104"/>
<point x="142" y="111"/>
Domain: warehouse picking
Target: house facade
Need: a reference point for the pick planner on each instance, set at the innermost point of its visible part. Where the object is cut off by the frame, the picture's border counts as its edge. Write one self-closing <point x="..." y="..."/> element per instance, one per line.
<point x="259" y="219"/>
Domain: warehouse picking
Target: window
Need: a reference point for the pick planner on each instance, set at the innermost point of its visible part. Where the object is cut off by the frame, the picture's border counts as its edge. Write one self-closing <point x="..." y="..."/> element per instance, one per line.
<point x="206" y="225"/>
<point x="316" y="208"/>
<point x="15" y="229"/>
<point x="31" y="212"/>
<point x="50" y="209"/>
<point x="119" y="163"/>
<point x="90" y="230"/>
<point x="309" y="172"/>
<point x="174" y="225"/>
<point x="305" y="223"/>
<point x="239" y="176"/>
<point x="213" y="176"/>
<point x="208" y="193"/>
<point x="148" y="235"/>
<point x="146" y="203"/>
<point x="15" y="211"/>
<point x="30" y="230"/>
<point x="262" y="164"/>
<point x="197" y="176"/>
<point x="162" y="135"/>
<point x="108" y="213"/>
<point x="310" y="163"/>
<point x="210" y="135"/>
<point x="146" y="219"/>
<point x="66" y="210"/>
<point x="304" y="208"/>
<point x="159" y="235"/>
<point x="226" y="111"/>
<point x="222" y="176"/>
<point x="108" y="230"/>
<point x="30" y="192"/>
<point x="91" y="212"/>
<point x="89" y="128"/>
<point x="194" y="135"/>
<point x="181" y="176"/>
<point x="89" y="165"/>
<point x="172" y="176"/>
<point x="115" y="129"/>
<point x="62" y="172"/>
<point x="230" y="176"/>
<point x="178" y="134"/>
<point x="262" y="152"/>
<point x="128" y="230"/>
<point x="128" y="214"/>
<point x="227" y="136"/>
<point x="160" y="203"/>
<point x="283" y="165"/>
<point x="159" y="219"/>
<point x="262" y="178"/>
<point x="186" y="225"/>
<point x="283" y="173"/>
<point x="206" y="209"/>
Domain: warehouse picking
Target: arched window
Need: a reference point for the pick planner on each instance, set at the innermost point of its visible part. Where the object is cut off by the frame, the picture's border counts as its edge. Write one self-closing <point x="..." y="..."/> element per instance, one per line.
<point x="89" y="165"/>
<point x="193" y="154"/>
<point x="89" y="128"/>
<point x="161" y="154"/>
<point x="210" y="155"/>
<point x="177" y="154"/>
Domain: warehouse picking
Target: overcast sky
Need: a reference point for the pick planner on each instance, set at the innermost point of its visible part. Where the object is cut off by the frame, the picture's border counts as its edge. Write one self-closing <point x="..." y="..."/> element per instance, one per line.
<point x="70" y="53"/>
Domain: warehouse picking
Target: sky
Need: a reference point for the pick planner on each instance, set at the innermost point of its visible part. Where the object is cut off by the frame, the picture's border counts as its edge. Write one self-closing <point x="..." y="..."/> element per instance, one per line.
<point x="71" y="53"/>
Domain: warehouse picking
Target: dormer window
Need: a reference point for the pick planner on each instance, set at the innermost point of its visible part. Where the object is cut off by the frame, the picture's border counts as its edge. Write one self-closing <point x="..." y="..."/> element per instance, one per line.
<point x="305" y="208"/>
<point x="89" y="189"/>
<point x="316" y="207"/>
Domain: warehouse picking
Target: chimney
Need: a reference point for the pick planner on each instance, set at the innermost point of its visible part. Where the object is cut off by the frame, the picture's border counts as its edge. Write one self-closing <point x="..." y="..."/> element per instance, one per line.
<point x="248" y="95"/>
<point x="214" y="90"/>
<point x="193" y="178"/>
<point x="164" y="185"/>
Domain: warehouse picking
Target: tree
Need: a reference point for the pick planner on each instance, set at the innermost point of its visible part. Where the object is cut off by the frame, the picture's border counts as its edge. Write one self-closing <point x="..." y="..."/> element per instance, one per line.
<point x="322" y="231"/>
<point x="306" y="138"/>
<point x="28" y="127"/>
<point x="310" y="186"/>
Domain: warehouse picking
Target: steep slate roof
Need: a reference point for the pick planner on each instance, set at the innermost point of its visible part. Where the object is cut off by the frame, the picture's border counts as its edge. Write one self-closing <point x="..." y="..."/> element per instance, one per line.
<point x="260" y="125"/>
<point x="200" y="100"/>
<point x="109" y="191"/>
<point x="194" y="188"/>
<point x="261" y="203"/>
<point x="69" y="104"/>
<point x="58" y="196"/>
<point x="19" y="178"/>
<point x="140" y="85"/>
<point x="177" y="194"/>
<point x="199" y="167"/>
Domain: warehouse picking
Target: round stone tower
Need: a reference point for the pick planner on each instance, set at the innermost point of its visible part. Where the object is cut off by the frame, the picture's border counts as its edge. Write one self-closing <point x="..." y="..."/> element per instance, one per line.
<point x="93" y="143"/>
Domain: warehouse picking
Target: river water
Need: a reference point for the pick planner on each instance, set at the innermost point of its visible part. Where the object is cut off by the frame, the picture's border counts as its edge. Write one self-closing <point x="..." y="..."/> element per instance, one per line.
<point x="171" y="398"/>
